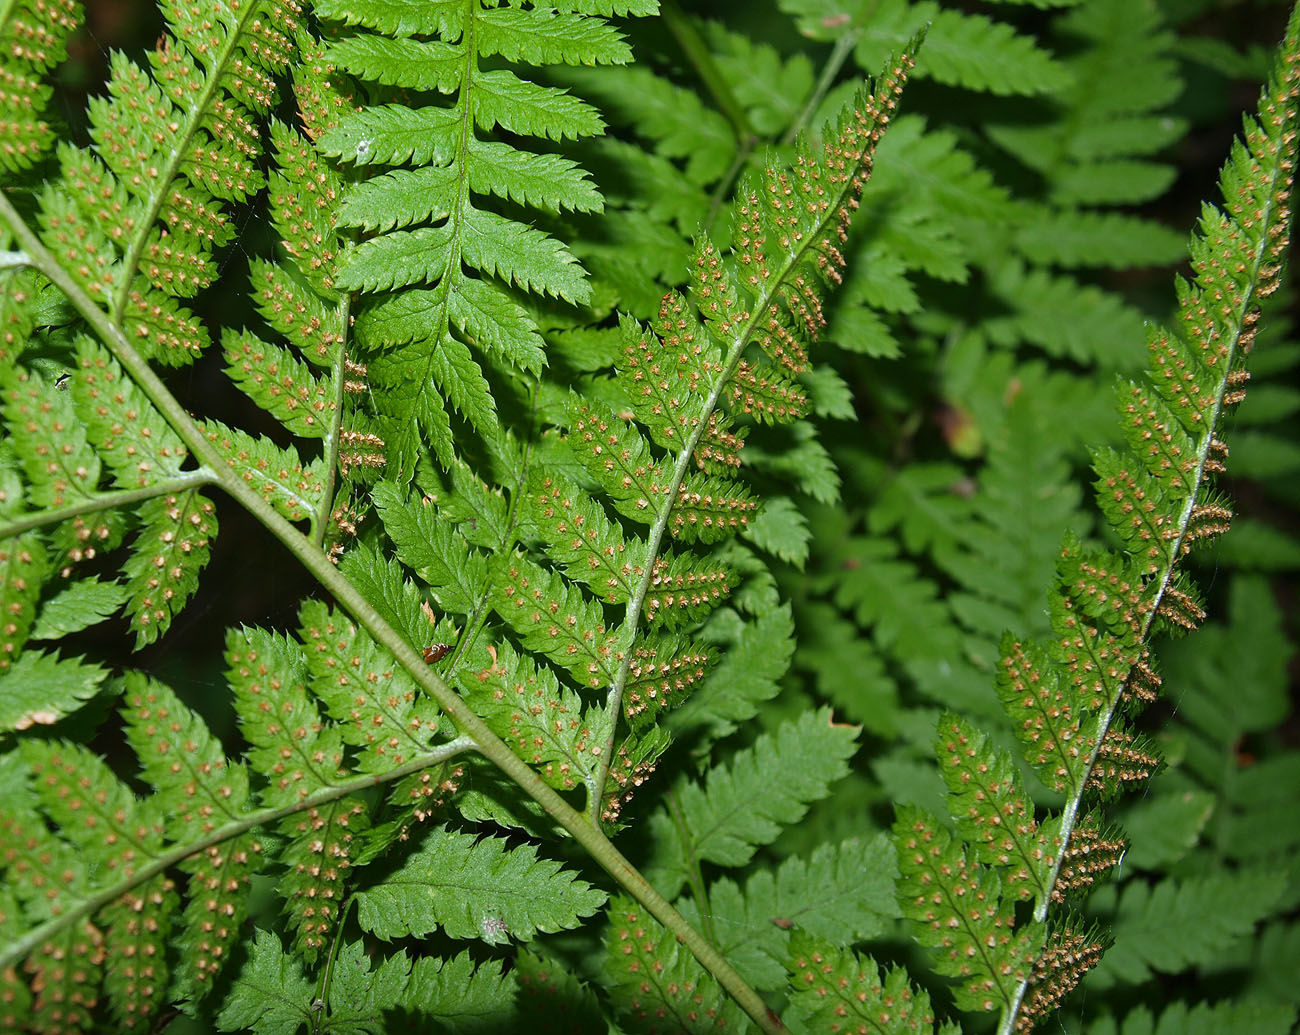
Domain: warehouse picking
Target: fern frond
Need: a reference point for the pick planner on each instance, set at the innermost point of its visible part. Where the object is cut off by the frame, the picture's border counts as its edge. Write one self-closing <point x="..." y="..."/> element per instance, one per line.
<point x="961" y="49"/>
<point x="380" y="710"/>
<point x="957" y="907"/>
<point x="1064" y="696"/>
<point x="993" y="812"/>
<point x="545" y="723"/>
<point x="1224" y="1018"/>
<point x="1199" y="917"/>
<point x="172" y="548"/>
<point x="842" y="893"/>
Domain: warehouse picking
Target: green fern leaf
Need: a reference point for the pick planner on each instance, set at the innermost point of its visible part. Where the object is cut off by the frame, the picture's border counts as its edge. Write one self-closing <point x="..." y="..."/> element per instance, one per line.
<point x="1094" y="151"/>
<point x="1164" y="827"/>
<point x="380" y="710"/>
<point x="359" y="997"/>
<point x="280" y="383"/>
<point x="992" y="810"/>
<point x="279" y="476"/>
<point x="84" y="603"/>
<point x="578" y="533"/>
<point x="291" y="745"/>
<point x="655" y="984"/>
<point x="618" y="458"/>
<point x="745" y="804"/>
<point x="480" y="264"/>
<point x="961" y="49"/>
<point x="956" y="907"/>
<point x="1222" y="1018"/>
<point x="495" y="895"/>
<point x="708" y="510"/>
<point x="433" y="548"/>
<point x="546" y="723"/>
<point x="182" y="760"/>
<point x="304" y="197"/>
<point x="663" y="673"/>
<point x="554" y="618"/>
<point x="1066" y="957"/>
<point x="1109" y="239"/>
<point x="683" y="590"/>
<point x="48" y="439"/>
<point x="1062" y="316"/>
<point x="121" y="423"/>
<point x="271" y="996"/>
<point x="323" y="841"/>
<point x="39" y="688"/>
<point x="188" y="766"/>
<point x="842" y="893"/>
<point x="25" y="565"/>
<point x="554" y="1000"/>
<point x="748" y="673"/>
<point x="33" y="39"/>
<point x="1177" y="924"/>
<point x="212" y="923"/>
<point x="162" y="573"/>
<point x="461" y="996"/>
<point x="828" y="985"/>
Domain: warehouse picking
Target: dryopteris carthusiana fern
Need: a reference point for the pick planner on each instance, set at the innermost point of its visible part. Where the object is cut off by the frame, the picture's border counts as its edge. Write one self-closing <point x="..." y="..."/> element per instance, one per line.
<point x="563" y="587"/>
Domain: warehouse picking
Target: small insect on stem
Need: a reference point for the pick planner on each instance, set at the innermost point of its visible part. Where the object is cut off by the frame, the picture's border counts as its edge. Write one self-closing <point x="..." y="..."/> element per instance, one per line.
<point x="436" y="653"/>
<point x="61" y="383"/>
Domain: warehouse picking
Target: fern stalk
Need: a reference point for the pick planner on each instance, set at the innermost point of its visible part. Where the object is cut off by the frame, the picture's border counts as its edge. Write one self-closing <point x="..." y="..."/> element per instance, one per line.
<point x="105" y="501"/>
<point x="319" y="565"/>
<point x="697" y="52"/>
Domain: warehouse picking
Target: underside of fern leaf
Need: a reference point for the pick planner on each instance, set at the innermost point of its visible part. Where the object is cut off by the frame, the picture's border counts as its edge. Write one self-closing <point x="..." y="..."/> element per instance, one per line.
<point x="543" y="502"/>
<point x="1072" y="699"/>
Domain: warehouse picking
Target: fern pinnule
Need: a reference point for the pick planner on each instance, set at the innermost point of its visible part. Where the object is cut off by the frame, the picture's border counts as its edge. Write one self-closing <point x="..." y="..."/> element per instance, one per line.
<point x="957" y="907"/>
<point x="654" y="983"/>
<point x="33" y="39"/>
<point x="993" y="812"/>
<point x="828" y="985"/>
<point x="1070" y="953"/>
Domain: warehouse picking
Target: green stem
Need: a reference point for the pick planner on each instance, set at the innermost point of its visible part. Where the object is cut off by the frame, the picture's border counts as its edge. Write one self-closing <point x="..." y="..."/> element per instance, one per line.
<point x="352" y="601"/>
<point x="327" y="972"/>
<point x="701" y="59"/>
<point x="839" y="54"/>
<point x="324" y="508"/>
<point x="106" y="501"/>
<point x="699" y="890"/>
